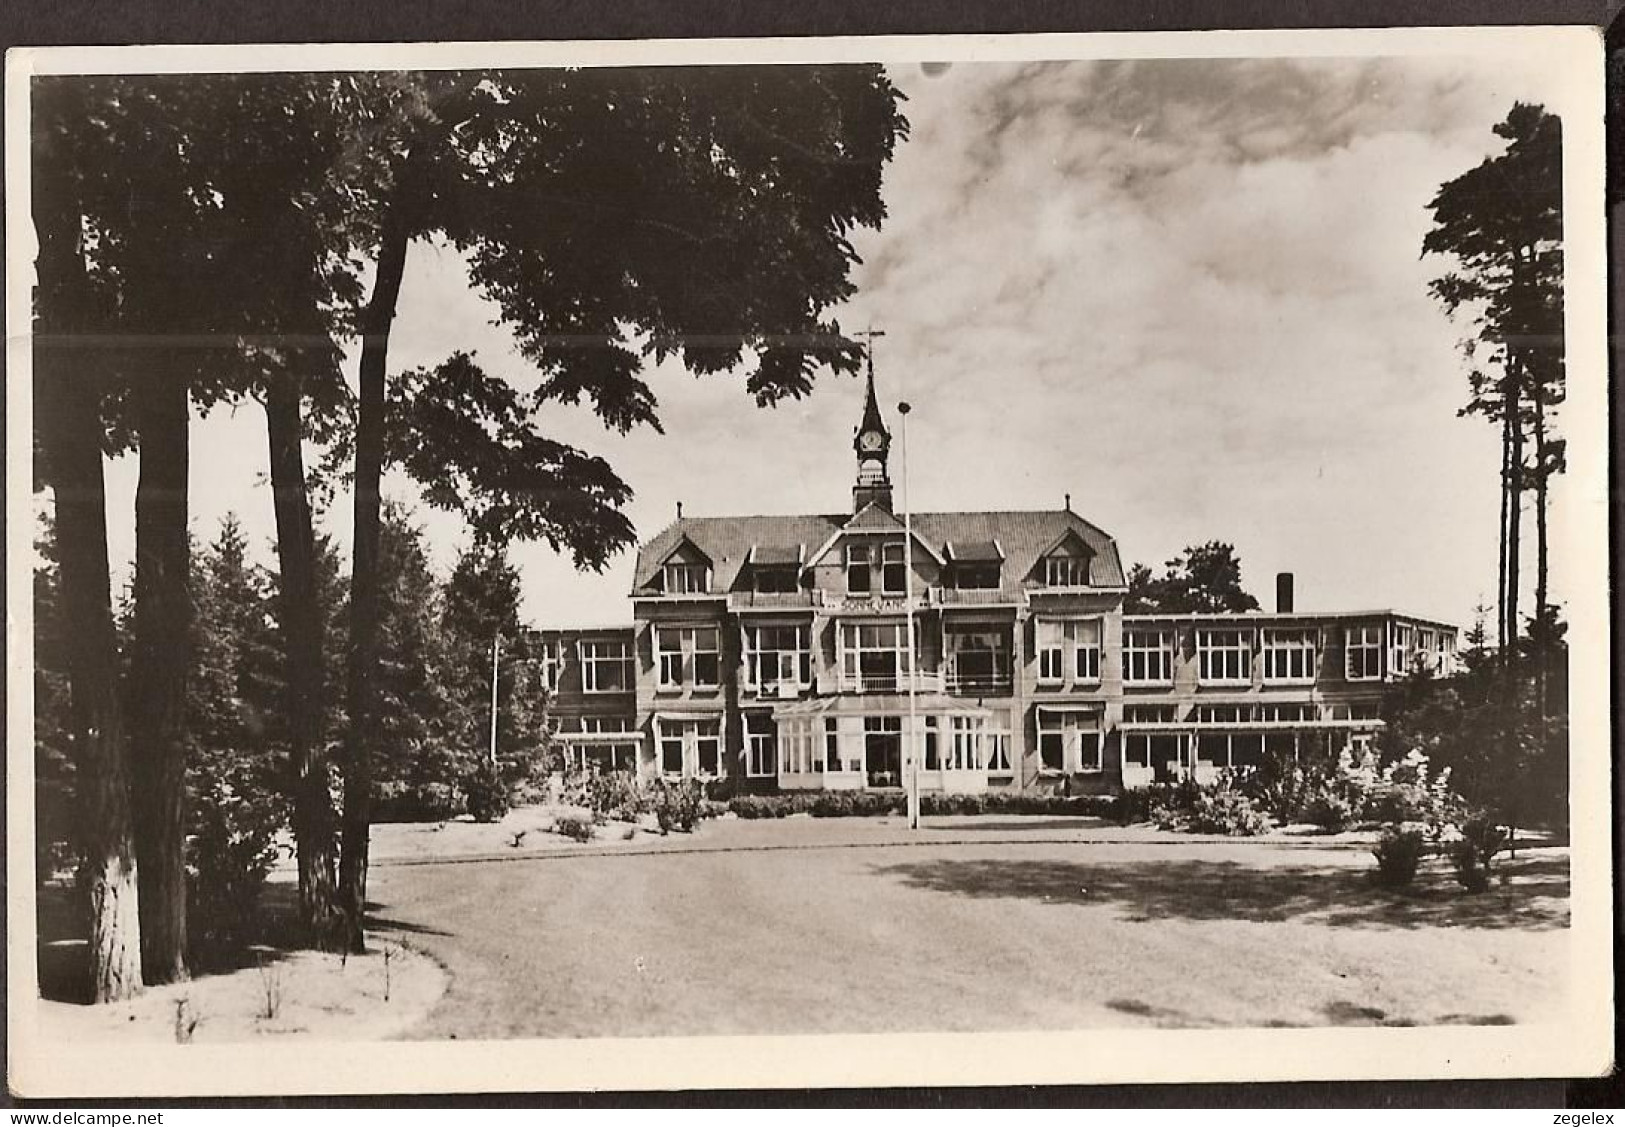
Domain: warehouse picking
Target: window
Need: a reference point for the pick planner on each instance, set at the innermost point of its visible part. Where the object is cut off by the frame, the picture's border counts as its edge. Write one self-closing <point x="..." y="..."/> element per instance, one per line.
<point x="1289" y="655"/>
<point x="552" y="665"/>
<point x="978" y="661"/>
<point x="1362" y="653"/>
<point x="827" y="756"/>
<point x="761" y="745"/>
<point x="687" y="654"/>
<point x="874" y="656"/>
<point x="1085" y="638"/>
<point x="1225" y="655"/>
<point x="1051" y="650"/>
<point x="893" y="580"/>
<point x="691" y="747"/>
<point x="606" y="667"/>
<point x="1147" y="749"/>
<point x="687" y="578"/>
<point x="603" y="757"/>
<point x="1069" y="740"/>
<point x="671" y="749"/>
<point x="976" y="576"/>
<point x="775" y="580"/>
<point x="1286" y="713"/>
<point x="1064" y="641"/>
<point x="1223" y="713"/>
<point x="965" y="746"/>
<point x="1066" y="571"/>
<point x="1403" y="637"/>
<point x="933" y="749"/>
<point x="997" y="744"/>
<point x="857" y="569"/>
<point x="777" y="659"/>
<point x="1148" y="657"/>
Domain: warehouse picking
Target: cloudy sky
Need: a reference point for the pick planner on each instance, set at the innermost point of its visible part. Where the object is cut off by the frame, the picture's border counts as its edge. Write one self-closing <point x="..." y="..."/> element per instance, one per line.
<point x="1188" y="292"/>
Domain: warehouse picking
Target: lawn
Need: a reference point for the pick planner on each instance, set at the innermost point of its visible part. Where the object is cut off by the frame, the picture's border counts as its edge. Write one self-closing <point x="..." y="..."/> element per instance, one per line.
<point x="976" y="924"/>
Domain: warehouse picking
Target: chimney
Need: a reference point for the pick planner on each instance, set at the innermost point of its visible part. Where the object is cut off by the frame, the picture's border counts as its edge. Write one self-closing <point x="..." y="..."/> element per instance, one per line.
<point x="1283" y="592"/>
<point x="679" y="510"/>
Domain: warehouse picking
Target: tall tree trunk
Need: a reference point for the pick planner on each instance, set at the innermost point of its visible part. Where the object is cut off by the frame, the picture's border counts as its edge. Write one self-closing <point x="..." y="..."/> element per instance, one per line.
<point x="70" y="430"/>
<point x="161" y="657"/>
<point x="361" y="739"/>
<point x="305" y="665"/>
<point x="1542" y="618"/>
<point x="1501" y="562"/>
<point x="1515" y="490"/>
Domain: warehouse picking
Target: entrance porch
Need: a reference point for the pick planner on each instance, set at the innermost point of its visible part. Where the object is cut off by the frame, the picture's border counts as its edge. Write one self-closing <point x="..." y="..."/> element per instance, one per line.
<point x="868" y="743"/>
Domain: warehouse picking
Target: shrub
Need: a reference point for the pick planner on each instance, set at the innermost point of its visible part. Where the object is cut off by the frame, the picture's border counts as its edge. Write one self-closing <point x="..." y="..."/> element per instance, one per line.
<point x="1220" y="807"/>
<point x="1325" y="806"/>
<point x="397" y="801"/>
<point x="229" y="855"/>
<point x="486" y="794"/>
<point x="1134" y="805"/>
<point x="1471" y="854"/>
<point x="1398" y="853"/>
<point x="577" y="829"/>
<point x="614" y="794"/>
<point x="676" y="805"/>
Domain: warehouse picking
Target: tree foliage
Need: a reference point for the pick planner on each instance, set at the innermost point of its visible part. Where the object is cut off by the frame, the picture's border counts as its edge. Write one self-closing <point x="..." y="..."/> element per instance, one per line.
<point x="1204" y="578"/>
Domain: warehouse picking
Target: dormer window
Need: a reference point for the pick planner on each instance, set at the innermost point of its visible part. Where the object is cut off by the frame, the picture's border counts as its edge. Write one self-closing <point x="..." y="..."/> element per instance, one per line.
<point x="686" y="578"/>
<point x="1066" y="571"/>
<point x="976" y="576"/>
<point x="775" y="580"/>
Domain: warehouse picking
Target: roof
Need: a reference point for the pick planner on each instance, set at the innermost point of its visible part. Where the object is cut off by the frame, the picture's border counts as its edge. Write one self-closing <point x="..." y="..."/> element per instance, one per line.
<point x="974" y="551"/>
<point x="770" y="555"/>
<point x="1023" y="536"/>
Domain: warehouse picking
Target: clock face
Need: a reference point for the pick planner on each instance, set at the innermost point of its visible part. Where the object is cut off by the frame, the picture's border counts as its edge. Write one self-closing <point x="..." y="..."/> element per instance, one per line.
<point x="869" y="440"/>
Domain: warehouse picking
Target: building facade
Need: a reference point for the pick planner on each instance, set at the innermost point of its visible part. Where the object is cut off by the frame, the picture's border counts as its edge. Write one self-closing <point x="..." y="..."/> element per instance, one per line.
<point x="779" y="651"/>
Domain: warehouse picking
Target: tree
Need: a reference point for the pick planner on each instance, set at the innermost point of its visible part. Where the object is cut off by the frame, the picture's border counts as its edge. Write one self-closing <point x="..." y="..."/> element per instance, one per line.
<point x="72" y="386"/>
<point x="1204" y="578"/>
<point x="481" y="614"/>
<point x="1501" y="225"/>
<point x="706" y="212"/>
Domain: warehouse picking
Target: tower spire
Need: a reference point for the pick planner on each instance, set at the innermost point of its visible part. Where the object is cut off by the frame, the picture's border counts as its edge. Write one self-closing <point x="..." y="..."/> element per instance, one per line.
<point x="872" y="442"/>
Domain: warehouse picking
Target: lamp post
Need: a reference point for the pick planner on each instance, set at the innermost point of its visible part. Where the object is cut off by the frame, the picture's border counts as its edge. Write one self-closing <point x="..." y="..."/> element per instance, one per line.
<point x="910" y="744"/>
<point x="496" y="647"/>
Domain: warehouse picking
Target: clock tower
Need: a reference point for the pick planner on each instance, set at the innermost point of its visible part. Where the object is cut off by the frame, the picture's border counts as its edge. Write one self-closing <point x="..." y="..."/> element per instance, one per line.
<point x="873" y="444"/>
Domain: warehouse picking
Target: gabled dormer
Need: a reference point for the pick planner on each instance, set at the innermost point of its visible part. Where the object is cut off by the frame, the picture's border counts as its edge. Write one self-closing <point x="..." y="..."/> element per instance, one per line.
<point x="974" y="565"/>
<point x="772" y="569"/>
<point x="1068" y="562"/>
<point x="872" y="549"/>
<point x="686" y="570"/>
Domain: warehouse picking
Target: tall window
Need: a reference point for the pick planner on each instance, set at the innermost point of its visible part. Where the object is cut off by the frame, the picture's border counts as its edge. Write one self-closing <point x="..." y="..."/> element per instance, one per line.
<point x="777" y="658"/>
<point x="1051" y="646"/>
<point x="1404" y="635"/>
<point x="1068" y="741"/>
<point x="1148" y="657"/>
<point x="1362" y="653"/>
<point x="1289" y="655"/>
<point x="965" y="746"/>
<point x="761" y="745"/>
<point x="997" y="743"/>
<point x="606" y="667"/>
<point x="978" y="660"/>
<point x="552" y="663"/>
<point x="1225" y="655"/>
<point x="857" y="569"/>
<point x="892" y="568"/>
<point x="1085" y="638"/>
<point x="688" y="654"/>
<point x="686" y="578"/>
<point x="1066" y="571"/>
<point x="874" y="656"/>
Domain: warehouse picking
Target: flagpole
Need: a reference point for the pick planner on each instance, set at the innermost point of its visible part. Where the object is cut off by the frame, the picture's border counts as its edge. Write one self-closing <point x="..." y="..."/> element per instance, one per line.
<point x="913" y="751"/>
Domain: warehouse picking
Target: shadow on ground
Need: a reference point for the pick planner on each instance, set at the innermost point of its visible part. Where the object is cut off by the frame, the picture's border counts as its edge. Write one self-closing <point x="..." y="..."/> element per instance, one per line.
<point x="1534" y="895"/>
